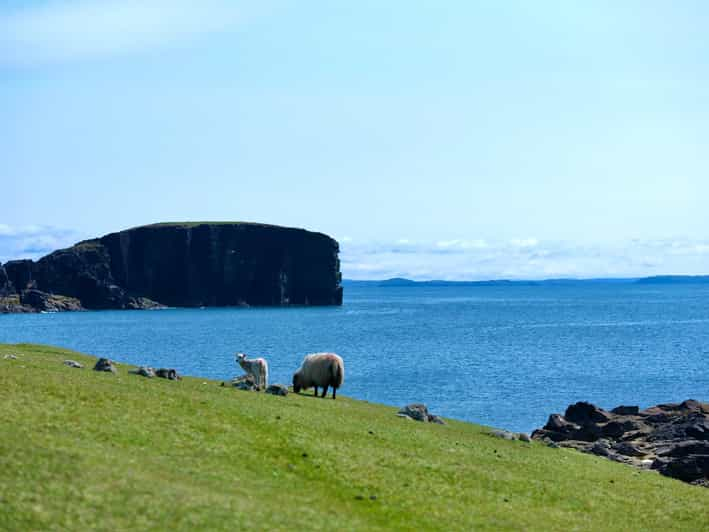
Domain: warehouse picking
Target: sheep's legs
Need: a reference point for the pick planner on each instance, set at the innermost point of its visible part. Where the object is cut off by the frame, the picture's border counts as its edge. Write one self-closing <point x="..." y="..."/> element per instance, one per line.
<point x="334" y="392"/>
<point x="316" y="390"/>
<point x="324" y="391"/>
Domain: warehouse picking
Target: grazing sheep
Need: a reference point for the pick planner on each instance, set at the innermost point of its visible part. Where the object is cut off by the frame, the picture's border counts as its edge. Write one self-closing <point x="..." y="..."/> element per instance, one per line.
<point x="320" y="369"/>
<point x="257" y="368"/>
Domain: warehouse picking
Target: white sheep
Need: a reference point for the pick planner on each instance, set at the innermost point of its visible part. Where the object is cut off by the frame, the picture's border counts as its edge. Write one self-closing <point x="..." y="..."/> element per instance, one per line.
<point x="320" y="370"/>
<point x="257" y="368"/>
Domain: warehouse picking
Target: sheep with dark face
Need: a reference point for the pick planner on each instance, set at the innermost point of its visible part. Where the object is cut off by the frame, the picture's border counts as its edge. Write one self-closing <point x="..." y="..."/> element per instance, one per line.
<point x="320" y="370"/>
<point x="257" y="368"/>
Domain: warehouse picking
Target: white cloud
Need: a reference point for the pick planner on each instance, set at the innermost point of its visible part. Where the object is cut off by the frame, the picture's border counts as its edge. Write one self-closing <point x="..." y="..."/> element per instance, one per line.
<point x="460" y="259"/>
<point x="33" y="241"/>
<point x="64" y="30"/>
<point x="461" y="244"/>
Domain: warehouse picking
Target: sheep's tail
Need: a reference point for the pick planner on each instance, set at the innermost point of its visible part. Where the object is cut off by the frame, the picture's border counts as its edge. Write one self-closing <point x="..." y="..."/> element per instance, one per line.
<point x="339" y="376"/>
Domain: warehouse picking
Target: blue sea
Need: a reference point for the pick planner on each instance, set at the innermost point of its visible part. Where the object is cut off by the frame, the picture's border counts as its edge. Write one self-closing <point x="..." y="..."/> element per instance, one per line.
<point x="505" y="356"/>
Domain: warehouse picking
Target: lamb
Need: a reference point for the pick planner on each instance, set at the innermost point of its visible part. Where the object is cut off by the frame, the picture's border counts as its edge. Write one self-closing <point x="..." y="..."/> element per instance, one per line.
<point x="320" y="369"/>
<point x="256" y="367"/>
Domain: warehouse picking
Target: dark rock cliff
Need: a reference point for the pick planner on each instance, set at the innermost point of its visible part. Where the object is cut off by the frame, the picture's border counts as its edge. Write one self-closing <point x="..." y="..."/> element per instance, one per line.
<point x="188" y="264"/>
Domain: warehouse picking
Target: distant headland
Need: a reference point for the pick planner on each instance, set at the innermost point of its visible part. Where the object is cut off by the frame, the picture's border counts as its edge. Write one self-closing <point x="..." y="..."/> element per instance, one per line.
<point x="659" y="279"/>
<point x="184" y="264"/>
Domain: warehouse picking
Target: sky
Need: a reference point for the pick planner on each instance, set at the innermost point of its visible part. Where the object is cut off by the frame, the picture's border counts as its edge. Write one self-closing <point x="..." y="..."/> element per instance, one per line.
<point x="446" y="140"/>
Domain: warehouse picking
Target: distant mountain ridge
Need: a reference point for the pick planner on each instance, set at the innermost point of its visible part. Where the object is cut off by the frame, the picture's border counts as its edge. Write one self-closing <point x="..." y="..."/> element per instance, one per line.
<point x="658" y="279"/>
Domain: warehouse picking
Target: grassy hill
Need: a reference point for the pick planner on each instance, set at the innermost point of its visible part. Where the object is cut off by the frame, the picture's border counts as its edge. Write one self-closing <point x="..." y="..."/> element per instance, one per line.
<point x="81" y="449"/>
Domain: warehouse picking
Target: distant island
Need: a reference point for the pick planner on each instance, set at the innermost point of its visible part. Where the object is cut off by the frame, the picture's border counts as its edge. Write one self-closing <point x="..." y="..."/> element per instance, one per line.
<point x="660" y="279"/>
<point x="183" y="264"/>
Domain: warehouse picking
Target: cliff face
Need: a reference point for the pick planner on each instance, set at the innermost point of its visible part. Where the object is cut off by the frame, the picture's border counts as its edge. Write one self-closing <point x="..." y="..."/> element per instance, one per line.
<point x="190" y="264"/>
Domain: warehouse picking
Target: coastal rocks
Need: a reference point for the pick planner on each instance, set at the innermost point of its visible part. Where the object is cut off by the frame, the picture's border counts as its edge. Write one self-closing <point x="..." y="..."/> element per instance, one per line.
<point x="167" y="373"/>
<point x="44" y="302"/>
<point x="144" y="371"/>
<point x="10" y="304"/>
<point x="419" y="412"/>
<point x="104" y="364"/>
<point x="277" y="389"/>
<point x="179" y="264"/>
<point x="670" y="438"/>
<point x="73" y="364"/>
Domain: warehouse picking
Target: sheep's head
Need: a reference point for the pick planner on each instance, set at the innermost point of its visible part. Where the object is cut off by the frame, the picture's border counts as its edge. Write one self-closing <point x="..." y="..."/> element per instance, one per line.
<point x="296" y="383"/>
<point x="240" y="357"/>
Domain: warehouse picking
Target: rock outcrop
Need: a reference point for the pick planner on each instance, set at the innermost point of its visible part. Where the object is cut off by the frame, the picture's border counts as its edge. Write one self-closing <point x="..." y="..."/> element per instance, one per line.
<point x="168" y="373"/>
<point x="180" y="264"/>
<point x="670" y="438"/>
<point x="419" y="412"/>
<point x="244" y="382"/>
<point x="277" y="389"/>
<point x="144" y="371"/>
<point x="104" y="364"/>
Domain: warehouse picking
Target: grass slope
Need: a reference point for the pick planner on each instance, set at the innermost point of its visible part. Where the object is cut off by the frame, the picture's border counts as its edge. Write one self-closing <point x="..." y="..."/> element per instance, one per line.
<point x="81" y="449"/>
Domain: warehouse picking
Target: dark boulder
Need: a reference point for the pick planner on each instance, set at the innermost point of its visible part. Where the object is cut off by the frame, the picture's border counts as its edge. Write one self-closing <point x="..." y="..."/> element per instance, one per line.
<point x="617" y="429"/>
<point x="684" y="448"/>
<point x="626" y="410"/>
<point x="688" y="468"/>
<point x="680" y="426"/>
<point x="628" y="449"/>
<point x="277" y="389"/>
<point x="416" y="411"/>
<point x="104" y="364"/>
<point x="168" y="373"/>
<point x="558" y="423"/>
<point x="583" y="413"/>
<point x="559" y="428"/>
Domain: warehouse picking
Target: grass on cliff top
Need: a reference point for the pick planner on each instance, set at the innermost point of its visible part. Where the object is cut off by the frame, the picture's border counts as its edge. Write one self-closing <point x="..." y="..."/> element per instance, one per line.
<point x="188" y="225"/>
<point x="86" y="450"/>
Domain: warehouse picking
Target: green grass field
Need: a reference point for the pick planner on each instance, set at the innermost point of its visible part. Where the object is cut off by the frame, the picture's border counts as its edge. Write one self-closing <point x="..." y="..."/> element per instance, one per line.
<point x="86" y="450"/>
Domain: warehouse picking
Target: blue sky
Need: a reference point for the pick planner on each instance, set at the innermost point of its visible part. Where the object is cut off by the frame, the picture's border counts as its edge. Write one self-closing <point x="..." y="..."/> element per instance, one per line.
<point x="460" y="140"/>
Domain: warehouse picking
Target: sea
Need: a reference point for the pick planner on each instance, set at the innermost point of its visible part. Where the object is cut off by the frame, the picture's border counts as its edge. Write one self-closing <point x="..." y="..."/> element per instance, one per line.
<point x="502" y="356"/>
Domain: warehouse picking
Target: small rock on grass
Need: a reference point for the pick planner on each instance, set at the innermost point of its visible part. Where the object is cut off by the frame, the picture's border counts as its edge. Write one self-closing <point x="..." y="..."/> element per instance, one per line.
<point x="73" y="364"/>
<point x="277" y="389"/>
<point x="104" y="364"/>
<point x="507" y="435"/>
<point x="244" y="382"/>
<point x="168" y="373"/>
<point x="419" y="412"/>
<point x="144" y="371"/>
<point x="10" y="357"/>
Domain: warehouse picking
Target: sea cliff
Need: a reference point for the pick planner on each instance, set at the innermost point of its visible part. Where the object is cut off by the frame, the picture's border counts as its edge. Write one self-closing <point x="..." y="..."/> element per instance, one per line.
<point x="179" y="264"/>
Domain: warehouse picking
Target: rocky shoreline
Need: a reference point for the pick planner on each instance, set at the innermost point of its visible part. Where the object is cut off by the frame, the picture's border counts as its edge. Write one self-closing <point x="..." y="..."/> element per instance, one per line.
<point x="672" y="438"/>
